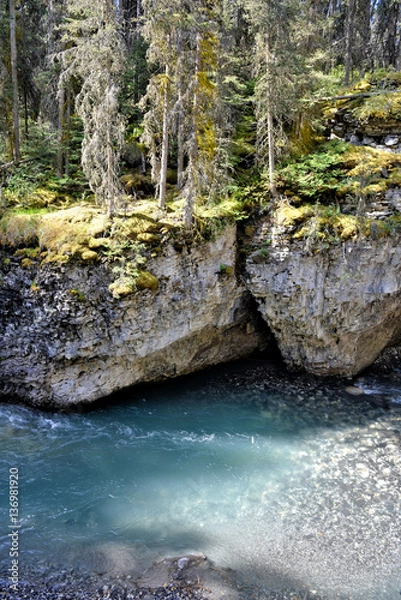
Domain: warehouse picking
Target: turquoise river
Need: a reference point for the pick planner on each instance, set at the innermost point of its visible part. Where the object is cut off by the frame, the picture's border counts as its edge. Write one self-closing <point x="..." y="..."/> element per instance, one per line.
<point x="287" y="485"/>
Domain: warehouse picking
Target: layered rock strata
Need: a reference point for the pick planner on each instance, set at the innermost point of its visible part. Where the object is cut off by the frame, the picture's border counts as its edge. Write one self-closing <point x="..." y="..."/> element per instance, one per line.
<point x="331" y="312"/>
<point x="66" y="340"/>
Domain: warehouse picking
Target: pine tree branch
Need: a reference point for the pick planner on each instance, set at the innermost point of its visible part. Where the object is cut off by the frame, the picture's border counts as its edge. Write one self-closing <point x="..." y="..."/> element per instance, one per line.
<point x="14" y="162"/>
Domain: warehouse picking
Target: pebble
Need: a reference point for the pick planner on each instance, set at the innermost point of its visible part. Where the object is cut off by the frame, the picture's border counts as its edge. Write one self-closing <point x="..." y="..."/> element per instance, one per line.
<point x="354" y="390"/>
<point x="39" y="586"/>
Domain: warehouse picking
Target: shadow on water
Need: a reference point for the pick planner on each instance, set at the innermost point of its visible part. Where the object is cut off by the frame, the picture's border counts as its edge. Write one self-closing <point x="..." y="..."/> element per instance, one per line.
<point x="292" y="402"/>
<point x="287" y="479"/>
<point x="132" y="554"/>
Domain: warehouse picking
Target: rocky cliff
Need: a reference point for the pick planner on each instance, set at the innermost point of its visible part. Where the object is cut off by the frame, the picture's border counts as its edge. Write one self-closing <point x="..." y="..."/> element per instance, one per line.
<point x="332" y="312"/>
<point x="65" y="339"/>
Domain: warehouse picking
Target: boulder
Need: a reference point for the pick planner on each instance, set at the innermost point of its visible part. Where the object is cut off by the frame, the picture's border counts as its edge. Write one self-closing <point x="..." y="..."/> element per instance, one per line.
<point x="332" y="312"/>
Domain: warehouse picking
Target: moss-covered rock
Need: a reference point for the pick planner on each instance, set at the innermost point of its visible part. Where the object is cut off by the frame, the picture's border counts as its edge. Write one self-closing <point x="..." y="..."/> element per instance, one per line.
<point x="147" y="281"/>
<point x="287" y="215"/>
<point x="97" y="243"/>
<point x="89" y="255"/>
<point x="148" y="238"/>
<point x="122" y="287"/>
<point x="26" y="263"/>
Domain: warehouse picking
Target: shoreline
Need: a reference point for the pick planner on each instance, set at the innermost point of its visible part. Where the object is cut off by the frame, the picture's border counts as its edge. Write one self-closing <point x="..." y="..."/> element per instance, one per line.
<point x="195" y="580"/>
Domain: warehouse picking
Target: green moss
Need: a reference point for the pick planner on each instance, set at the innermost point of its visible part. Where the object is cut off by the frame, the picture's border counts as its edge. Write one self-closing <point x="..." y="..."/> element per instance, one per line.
<point x="148" y="238"/>
<point x="385" y="228"/>
<point x="323" y="224"/>
<point x="345" y="170"/>
<point x="135" y="183"/>
<point x="53" y="230"/>
<point x="122" y="287"/>
<point x="98" y="243"/>
<point x="287" y="215"/>
<point x="89" y="255"/>
<point x="394" y="178"/>
<point x="26" y="263"/>
<point x="146" y="280"/>
<point x="54" y="258"/>
<point x="379" y="107"/>
<point x="76" y="249"/>
<point x="31" y="253"/>
<point x="19" y="253"/>
<point x="377" y="97"/>
<point x="42" y="197"/>
<point x="227" y="270"/>
<point x="359" y="160"/>
<point x="19" y="229"/>
<point x="373" y="189"/>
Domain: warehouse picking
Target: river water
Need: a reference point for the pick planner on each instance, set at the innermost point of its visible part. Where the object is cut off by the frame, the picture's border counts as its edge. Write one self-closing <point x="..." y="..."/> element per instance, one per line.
<point x="289" y="486"/>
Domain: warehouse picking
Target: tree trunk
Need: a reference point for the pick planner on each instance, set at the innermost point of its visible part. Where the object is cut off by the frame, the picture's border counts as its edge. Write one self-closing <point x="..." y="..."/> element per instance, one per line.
<point x="110" y="177"/>
<point x="26" y="116"/>
<point x="190" y="195"/>
<point x="270" y="135"/>
<point x="110" y="191"/>
<point x="60" y="136"/>
<point x="180" y="146"/>
<point x="137" y="36"/>
<point x="393" y="34"/>
<point x="164" y="156"/>
<point x="50" y="27"/>
<point x="193" y="147"/>
<point x="14" y="79"/>
<point x="67" y="133"/>
<point x="180" y="122"/>
<point x="349" y="39"/>
<point x="3" y="203"/>
<point x="270" y="126"/>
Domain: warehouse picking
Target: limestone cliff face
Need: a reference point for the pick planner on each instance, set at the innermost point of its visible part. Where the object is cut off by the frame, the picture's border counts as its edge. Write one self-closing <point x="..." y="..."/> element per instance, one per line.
<point x="66" y="340"/>
<point x="333" y="312"/>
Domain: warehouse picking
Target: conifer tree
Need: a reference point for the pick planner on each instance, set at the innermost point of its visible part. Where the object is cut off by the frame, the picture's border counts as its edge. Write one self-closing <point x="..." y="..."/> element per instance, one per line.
<point x="183" y="96"/>
<point x="386" y="33"/>
<point x="94" y="55"/>
<point x="161" y="29"/>
<point x="202" y="99"/>
<point x="14" y="80"/>
<point x="276" y="66"/>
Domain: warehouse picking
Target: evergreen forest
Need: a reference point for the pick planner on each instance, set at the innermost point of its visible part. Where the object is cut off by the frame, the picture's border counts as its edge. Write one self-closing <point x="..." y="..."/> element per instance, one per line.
<point x="197" y="107"/>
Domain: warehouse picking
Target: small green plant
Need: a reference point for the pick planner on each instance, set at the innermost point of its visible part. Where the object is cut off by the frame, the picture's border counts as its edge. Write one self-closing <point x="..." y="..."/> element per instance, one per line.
<point x="319" y="175"/>
<point x="126" y="258"/>
<point x="226" y="269"/>
<point x="80" y="296"/>
<point x="263" y="252"/>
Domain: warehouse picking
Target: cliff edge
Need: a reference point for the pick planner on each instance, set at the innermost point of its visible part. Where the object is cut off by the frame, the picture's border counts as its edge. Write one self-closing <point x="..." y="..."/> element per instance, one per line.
<point x="66" y="339"/>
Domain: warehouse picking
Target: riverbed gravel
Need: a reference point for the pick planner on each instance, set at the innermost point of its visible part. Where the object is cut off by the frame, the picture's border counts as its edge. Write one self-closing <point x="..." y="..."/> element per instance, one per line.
<point x="56" y="583"/>
<point x="342" y="477"/>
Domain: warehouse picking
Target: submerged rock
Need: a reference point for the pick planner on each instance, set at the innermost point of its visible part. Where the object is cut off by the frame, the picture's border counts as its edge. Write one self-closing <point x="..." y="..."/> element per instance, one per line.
<point x="333" y="312"/>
